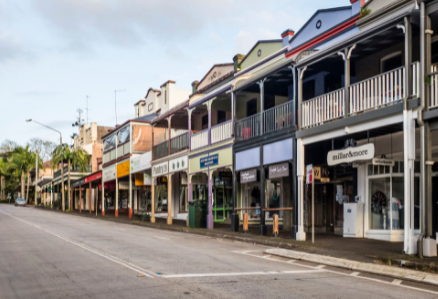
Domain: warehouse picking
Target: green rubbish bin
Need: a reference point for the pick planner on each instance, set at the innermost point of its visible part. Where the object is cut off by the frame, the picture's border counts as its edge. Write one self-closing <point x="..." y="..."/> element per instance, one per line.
<point x="198" y="214"/>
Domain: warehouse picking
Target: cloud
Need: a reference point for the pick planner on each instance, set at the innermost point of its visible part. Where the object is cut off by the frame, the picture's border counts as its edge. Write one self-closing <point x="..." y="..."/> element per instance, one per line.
<point x="12" y="49"/>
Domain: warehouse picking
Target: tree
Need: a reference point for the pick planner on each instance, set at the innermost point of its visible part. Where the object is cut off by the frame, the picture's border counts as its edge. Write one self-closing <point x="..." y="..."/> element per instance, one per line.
<point x="7" y="147"/>
<point x="44" y="147"/>
<point x="77" y="157"/>
<point x="21" y="162"/>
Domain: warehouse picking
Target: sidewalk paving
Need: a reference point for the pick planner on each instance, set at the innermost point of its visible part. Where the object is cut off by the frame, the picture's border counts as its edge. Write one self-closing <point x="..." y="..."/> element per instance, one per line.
<point x="328" y="249"/>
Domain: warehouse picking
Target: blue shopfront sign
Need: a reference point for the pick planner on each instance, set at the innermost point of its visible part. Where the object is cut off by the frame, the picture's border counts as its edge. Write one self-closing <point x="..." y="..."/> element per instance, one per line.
<point x="210" y="161"/>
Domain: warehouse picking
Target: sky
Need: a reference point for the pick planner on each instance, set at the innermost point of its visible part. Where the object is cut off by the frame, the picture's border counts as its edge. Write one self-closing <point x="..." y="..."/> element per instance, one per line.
<point x="55" y="53"/>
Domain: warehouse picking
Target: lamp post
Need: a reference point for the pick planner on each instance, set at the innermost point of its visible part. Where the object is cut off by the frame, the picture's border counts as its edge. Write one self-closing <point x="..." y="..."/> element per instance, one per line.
<point x="62" y="160"/>
<point x="36" y="177"/>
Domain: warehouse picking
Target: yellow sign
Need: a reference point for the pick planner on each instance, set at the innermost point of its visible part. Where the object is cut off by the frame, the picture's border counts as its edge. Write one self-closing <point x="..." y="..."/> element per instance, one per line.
<point x="139" y="179"/>
<point x="317" y="173"/>
<point x="123" y="169"/>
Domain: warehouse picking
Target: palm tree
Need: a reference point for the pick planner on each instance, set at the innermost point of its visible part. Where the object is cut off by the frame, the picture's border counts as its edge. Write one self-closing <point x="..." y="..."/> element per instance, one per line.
<point x="21" y="162"/>
<point x="77" y="157"/>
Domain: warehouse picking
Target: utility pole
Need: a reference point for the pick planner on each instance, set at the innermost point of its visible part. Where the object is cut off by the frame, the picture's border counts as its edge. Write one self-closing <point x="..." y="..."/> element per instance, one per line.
<point x="36" y="176"/>
<point x="87" y="108"/>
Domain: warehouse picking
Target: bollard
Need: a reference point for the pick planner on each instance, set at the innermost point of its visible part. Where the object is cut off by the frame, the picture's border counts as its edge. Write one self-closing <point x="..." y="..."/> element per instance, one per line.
<point x="245" y="223"/>
<point x="275" y="226"/>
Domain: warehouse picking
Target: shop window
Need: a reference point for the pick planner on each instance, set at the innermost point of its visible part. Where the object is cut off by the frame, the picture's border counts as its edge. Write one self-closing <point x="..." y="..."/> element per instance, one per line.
<point x="251" y="198"/>
<point x="379" y="192"/>
<point x="161" y="202"/>
<point x="145" y="199"/>
<point x="274" y="198"/>
<point x="183" y="196"/>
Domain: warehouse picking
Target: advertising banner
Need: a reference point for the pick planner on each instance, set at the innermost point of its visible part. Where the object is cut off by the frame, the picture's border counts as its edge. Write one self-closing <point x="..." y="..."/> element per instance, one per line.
<point x="141" y="163"/>
<point x="351" y="154"/>
<point x="123" y="134"/>
<point x="123" y="169"/>
<point x="109" y="173"/>
<point x="160" y="169"/>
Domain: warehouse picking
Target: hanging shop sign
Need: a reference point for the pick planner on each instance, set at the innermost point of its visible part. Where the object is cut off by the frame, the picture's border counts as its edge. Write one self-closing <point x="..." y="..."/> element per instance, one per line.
<point x="123" y="169"/>
<point x="383" y="162"/>
<point x="109" y="173"/>
<point x="279" y="170"/>
<point x="209" y="161"/>
<point x="94" y="177"/>
<point x="248" y="176"/>
<point x="140" y="163"/>
<point x="199" y="179"/>
<point x="143" y="179"/>
<point x="226" y="176"/>
<point x="160" y="169"/>
<point x="178" y="164"/>
<point x="351" y="154"/>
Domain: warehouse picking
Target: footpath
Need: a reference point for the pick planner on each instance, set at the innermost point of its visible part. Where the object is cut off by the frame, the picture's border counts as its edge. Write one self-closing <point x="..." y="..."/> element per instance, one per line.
<point x="364" y="255"/>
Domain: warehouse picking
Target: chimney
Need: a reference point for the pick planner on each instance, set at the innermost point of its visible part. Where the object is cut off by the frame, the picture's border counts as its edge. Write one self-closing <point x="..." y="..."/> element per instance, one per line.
<point x="356" y="6"/>
<point x="237" y="59"/>
<point x="287" y="36"/>
<point x="195" y="86"/>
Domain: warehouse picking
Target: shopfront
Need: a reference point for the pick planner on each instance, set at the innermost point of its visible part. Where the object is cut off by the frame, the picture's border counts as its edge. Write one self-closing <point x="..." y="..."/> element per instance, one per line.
<point x="264" y="179"/>
<point x="141" y="170"/>
<point x="211" y="180"/>
<point x="85" y="193"/>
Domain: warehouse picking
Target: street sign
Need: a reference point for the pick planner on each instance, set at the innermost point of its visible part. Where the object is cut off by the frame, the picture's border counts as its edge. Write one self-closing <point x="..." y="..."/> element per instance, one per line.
<point x="309" y="174"/>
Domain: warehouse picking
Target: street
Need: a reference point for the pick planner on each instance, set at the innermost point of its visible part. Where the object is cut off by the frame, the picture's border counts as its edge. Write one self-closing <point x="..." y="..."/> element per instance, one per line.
<point x="45" y="254"/>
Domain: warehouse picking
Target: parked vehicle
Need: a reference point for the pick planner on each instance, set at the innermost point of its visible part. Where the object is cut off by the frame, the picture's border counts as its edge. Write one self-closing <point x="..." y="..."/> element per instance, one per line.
<point x="20" y="202"/>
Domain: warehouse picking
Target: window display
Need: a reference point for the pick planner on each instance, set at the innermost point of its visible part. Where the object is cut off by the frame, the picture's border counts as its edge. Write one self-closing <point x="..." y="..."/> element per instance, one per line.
<point x="251" y="198"/>
<point x="274" y="198"/>
<point x="161" y="198"/>
<point x="379" y="203"/>
<point x="183" y="195"/>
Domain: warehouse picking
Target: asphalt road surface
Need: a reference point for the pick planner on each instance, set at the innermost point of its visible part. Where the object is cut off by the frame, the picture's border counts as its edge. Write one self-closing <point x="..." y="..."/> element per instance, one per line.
<point x="45" y="254"/>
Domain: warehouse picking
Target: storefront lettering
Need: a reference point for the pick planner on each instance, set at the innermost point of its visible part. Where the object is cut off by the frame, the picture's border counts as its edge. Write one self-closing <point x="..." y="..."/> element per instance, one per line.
<point x="348" y="155"/>
<point x="160" y="169"/>
<point x="279" y="170"/>
<point x="248" y="176"/>
<point x="209" y="161"/>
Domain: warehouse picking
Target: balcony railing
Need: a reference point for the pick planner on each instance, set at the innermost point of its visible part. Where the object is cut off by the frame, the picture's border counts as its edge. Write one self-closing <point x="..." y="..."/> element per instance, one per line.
<point x="324" y="108"/>
<point x="161" y="150"/>
<point x="221" y="131"/>
<point x="199" y="139"/>
<point x="248" y="127"/>
<point x="373" y="93"/>
<point x="72" y="169"/>
<point x="434" y="87"/>
<point x="278" y="117"/>
<point x="179" y="143"/>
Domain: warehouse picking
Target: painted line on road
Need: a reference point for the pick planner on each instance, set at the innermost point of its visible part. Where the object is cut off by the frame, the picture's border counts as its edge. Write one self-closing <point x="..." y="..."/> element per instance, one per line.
<point x="320" y="267"/>
<point x="396" y="281"/>
<point x="109" y="257"/>
<point x="240" y="273"/>
<point x="351" y="274"/>
<point x="120" y="229"/>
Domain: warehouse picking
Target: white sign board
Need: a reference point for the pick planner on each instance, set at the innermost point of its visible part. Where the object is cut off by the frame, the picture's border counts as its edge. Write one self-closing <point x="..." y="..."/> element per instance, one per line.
<point x="351" y="154"/>
<point x="160" y="169"/>
<point x="140" y="163"/>
<point x="147" y="178"/>
<point x="109" y="173"/>
<point x="383" y="162"/>
<point x="178" y="164"/>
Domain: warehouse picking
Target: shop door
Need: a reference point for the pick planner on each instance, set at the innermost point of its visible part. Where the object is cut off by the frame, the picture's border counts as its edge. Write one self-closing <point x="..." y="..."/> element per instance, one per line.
<point x="222" y="205"/>
<point x="435" y="203"/>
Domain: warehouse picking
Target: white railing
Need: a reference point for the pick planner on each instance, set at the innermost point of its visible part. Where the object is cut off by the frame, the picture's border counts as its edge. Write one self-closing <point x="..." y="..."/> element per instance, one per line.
<point x="416" y="79"/>
<point x="221" y="131"/>
<point x="378" y="91"/>
<point x="324" y="108"/>
<point x="434" y="87"/>
<point x="199" y="139"/>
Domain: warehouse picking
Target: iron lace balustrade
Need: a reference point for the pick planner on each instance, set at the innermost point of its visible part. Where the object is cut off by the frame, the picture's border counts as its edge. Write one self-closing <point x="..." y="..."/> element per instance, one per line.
<point x="179" y="143"/>
<point x="221" y="131"/>
<point x="199" y="139"/>
<point x="328" y="107"/>
<point x="161" y="150"/>
<point x="278" y="117"/>
<point x="248" y="127"/>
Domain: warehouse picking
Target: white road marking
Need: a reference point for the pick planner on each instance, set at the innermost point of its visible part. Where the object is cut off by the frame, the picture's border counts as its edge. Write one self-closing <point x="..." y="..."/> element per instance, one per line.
<point x="352" y="274"/>
<point x="161" y="238"/>
<point x="396" y="281"/>
<point x="240" y="273"/>
<point x="122" y="230"/>
<point x="320" y="267"/>
<point x="109" y="257"/>
<point x="291" y="261"/>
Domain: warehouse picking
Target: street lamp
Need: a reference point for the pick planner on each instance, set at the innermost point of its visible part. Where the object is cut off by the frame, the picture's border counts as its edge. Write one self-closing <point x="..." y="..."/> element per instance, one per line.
<point x="62" y="160"/>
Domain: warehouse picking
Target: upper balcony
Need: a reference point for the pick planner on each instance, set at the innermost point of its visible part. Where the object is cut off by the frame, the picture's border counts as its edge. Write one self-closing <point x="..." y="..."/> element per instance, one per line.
<point x="170" y="133"/>
<point x="266" y="106"/>
<point x="363" y="77"/>
<point x="132" y="137"/>
<point x="73" y="169"/>
<point x="211" y="122"/>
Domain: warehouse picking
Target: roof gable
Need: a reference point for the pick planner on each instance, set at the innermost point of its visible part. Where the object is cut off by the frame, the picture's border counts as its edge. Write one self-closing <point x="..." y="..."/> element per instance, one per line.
<point x="217" y="71"/>
<point x="260" y="51"/>
<point x="320" y="22"/>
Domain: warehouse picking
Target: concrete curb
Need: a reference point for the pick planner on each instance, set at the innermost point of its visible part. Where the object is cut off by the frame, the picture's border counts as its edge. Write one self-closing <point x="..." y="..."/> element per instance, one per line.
<point x="399" y="273"/>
